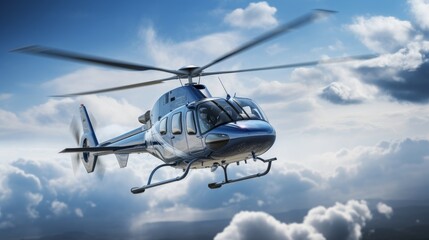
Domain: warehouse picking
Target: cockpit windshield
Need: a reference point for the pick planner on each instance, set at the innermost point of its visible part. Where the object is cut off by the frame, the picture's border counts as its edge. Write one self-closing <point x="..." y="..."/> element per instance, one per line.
<point x="250" y="108"/>
<point x="220" y="111"/>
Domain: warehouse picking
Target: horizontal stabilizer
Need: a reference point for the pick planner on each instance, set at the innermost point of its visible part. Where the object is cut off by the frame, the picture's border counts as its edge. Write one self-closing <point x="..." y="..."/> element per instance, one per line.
<point x="92" y="149"/>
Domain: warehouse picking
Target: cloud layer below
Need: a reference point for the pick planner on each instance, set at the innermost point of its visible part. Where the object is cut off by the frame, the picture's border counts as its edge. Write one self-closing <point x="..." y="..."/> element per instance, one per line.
<point x="341" y="221"/>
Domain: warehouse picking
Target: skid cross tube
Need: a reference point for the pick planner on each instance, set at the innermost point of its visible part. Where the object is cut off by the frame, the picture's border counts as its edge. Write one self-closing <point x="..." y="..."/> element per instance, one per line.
<point x="225" y="172"/>
<point x="136" y="190"/>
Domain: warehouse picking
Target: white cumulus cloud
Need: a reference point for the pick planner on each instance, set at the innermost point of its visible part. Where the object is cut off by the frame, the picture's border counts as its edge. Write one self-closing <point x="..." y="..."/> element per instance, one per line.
<point x="79" y="212"/>
<point x="34" y="200"/>
<point x="58" y="207"/>
<point x="382" y="34"/>
<point x="174" y="55"/>
<point x="385" y="209"/>
<point x="339" y="93"/>
<point x="255" y="15"/>
<point x="341" y="221"/>
<point x="420" y="9"/>
<point x="260" y="225"/>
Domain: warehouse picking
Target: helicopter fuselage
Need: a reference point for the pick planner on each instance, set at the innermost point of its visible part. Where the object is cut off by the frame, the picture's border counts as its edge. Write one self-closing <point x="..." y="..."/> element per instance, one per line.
<point x="209" y="130"/>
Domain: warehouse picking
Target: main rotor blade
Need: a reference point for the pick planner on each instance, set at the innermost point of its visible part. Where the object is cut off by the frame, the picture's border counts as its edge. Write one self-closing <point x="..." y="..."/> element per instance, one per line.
<point x="303" y="64"/>
<point x="117" y="88"/>
<point x="298" y="22"/>
<point x="57" y="53"/>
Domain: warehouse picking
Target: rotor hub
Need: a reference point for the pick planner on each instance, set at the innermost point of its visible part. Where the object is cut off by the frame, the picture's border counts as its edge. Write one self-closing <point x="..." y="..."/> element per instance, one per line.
<point x="188" y="69"/>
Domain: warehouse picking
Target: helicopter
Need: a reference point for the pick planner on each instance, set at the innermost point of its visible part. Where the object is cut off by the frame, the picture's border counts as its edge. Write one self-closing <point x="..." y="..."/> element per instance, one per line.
<point x="187" y="128"/>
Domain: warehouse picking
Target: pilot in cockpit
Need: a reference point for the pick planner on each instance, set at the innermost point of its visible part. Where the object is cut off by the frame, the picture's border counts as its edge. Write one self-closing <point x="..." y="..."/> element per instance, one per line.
<point x="206" y="122"/>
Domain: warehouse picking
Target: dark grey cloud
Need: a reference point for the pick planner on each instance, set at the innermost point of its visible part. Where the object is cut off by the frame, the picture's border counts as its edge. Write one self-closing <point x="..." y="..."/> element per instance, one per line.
<point x="266" y="189"/>
<point x="403" y="72"/>
<point x="43" y="197"/>
<point x="398" y="168"/>
<point x="409" y="85"/>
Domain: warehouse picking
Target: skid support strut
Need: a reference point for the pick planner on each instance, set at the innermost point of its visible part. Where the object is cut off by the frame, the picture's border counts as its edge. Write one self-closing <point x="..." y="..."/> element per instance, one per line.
<point x="136" y="190"/>
<point x="225" y="172"/>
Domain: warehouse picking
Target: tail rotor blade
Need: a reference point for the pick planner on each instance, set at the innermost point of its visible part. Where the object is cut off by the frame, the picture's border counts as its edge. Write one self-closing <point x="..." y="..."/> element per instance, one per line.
<point x="75" y="130"/>
<point x="75" y="162"/>
<point x="100" y="169"/>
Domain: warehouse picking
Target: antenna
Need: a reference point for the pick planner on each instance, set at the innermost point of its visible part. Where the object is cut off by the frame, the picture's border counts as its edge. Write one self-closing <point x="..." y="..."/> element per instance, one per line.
<point x="227" y="94"/>
<point x="180" y="80"/>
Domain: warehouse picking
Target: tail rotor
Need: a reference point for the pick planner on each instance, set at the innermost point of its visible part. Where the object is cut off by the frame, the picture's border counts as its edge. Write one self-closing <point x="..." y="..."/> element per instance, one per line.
<point x="84" y="136"/>
<point x="76" y="132"/>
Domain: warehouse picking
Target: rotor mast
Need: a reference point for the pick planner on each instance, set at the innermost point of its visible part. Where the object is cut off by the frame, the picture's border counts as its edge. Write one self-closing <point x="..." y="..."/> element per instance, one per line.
<point x="188" y="71"/>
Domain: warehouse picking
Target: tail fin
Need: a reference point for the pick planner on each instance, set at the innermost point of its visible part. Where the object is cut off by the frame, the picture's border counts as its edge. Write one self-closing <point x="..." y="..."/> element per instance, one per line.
<point x="88" y="139"/>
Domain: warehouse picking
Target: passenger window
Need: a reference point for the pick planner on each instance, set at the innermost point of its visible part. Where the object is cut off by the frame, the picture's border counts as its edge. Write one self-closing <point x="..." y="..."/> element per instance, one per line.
<point x="190" y="123"/>
<point x="176" y="123"/>
<point x="163" y="126"/>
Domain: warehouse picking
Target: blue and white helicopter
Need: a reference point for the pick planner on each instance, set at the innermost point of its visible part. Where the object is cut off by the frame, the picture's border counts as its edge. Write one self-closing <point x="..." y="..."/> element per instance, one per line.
<point x="187" y="127"/>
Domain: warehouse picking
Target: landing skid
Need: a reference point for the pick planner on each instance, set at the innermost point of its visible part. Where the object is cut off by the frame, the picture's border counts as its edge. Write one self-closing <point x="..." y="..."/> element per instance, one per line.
<point x="136" y="190"/>
<point x="225" y="172"/>
<point x="214" y="185"/>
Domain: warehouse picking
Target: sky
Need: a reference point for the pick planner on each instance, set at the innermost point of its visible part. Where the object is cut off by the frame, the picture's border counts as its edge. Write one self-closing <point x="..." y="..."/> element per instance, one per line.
<point x="346" y="133"/>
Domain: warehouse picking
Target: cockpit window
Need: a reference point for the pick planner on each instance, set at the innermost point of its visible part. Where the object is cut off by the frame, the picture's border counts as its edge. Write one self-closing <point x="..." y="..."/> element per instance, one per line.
<point x="219" y="111"/>
<point x="214" y="113"/>
<point x="249" y="108"/>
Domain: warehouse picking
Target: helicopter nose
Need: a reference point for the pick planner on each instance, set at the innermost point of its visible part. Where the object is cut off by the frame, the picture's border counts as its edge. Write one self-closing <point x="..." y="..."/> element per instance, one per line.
<point x="238" y="140"/>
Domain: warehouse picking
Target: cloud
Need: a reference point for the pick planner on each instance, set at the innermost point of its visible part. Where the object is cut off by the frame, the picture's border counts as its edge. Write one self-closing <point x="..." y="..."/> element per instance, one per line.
<point x="336" y="83"/>
<point x="79" y="212"/>
<point x="408" y="85"/>
<point x="174" y="55"/>
<point x="339" y="93"/>
<point x="342" y="221"/>
<point x="382" y="34"/>
<point x="5" y="96"/>
<point x="397" y="167"/>
<point x="236" y="198"/>
<point x="50" y="120"/>
<point x="34" y="200"/>
<point x="38" y="196"/>
<point x="420" y="8"/>
<point x="384" y="209"/>
<point x="401" y="72"/>
<point x="255" y="15"/>
<point x="58" y="207"/>
<point x="260" y="225"/>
